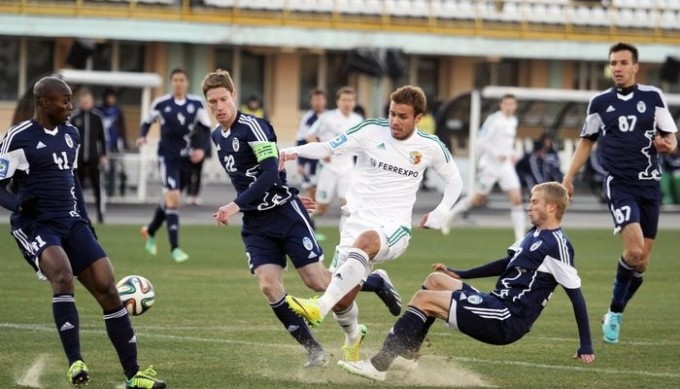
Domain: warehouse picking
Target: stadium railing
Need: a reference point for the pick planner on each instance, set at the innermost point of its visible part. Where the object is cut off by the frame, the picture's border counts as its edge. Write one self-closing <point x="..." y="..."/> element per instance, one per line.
<point x="645" y="20"/>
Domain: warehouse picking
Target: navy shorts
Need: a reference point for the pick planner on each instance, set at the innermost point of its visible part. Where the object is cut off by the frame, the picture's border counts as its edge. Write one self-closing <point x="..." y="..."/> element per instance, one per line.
<point x="75" y="238"/>
<point x="484" y="317"/>
<point x="634" y="204"/>
<point x="173" y="172"/>
<point x="285" y="230"/>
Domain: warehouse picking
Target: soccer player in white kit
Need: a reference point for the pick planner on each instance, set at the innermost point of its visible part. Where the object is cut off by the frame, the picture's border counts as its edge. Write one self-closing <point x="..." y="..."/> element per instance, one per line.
<point x="392" y="156"/>
<point x="335" y="172"/>
<point x="496" y="145"/>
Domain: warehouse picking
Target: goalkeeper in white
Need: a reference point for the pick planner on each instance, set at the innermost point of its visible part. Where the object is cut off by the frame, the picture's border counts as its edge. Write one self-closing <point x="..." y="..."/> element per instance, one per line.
<point x="391" y="158"/>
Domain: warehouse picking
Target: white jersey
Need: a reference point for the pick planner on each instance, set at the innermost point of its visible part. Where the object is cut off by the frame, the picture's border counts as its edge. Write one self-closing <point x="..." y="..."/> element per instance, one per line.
<point x="330" y="125"/>
<point x="389" y="171"/>
<point x="308" y="119"/>
<point x="497" y="136"/>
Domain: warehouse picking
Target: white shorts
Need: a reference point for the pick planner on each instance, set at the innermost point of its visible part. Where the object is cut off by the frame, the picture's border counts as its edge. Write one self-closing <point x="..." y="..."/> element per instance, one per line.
<point x="394" y="239"/>
<point x="489" y="173"/>
<point x="331" y="184"/>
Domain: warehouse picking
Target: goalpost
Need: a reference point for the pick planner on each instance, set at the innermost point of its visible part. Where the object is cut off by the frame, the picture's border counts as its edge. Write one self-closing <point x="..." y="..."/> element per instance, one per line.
<point x="144" y="81"/>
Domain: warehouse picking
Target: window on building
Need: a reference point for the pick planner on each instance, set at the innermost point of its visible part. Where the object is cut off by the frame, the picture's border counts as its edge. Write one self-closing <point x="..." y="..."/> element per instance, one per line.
<point x="252" y="76"/>
<point x="9" y="68"/>
<point x="504" y="72"/>
<point x="224" y="59"/>
<point x="309" y="77"/>
<point x="428" y="76"/>
<point x="590" y="75"/>
<point x="39" y="62"/>
<point x="336" y="77"/>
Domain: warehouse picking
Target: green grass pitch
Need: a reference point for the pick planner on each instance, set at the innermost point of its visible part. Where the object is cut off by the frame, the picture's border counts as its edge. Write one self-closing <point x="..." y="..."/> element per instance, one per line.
<point x="211" y="328"/>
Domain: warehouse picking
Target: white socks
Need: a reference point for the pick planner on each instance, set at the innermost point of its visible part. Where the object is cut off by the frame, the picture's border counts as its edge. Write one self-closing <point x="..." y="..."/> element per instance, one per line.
<point x="462" y="206"/>
<point x="349" y="322"/>
<point x="346" y="277"/>
<point x="518" y="218"/>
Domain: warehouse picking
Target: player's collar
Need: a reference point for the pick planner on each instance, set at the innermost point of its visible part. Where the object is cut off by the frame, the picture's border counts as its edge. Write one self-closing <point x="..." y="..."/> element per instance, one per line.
<point x="625" y="91"/>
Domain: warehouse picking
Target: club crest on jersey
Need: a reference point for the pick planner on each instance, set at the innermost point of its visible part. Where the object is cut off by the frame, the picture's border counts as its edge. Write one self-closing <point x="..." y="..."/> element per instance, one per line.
<point x="307" y="243"/>
<point x="641" y="107"/>
<point x="235" y="144"/>
<point x="535" y="245"/>
<point x="190" y="108"/>
<point x="474" y="299"/>
<point x="415" y="157"/>
<point x="4" y="167"/>
<point x="69" y="141"/>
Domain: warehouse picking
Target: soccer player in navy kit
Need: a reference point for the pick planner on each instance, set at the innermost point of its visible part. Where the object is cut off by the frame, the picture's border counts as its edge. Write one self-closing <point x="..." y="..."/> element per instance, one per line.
<point x="275" y="220"/>
<point x="179" y="114"/>
<point x="527" y="278"/>
<point x="52" y="229"/>
<point x="632" y="125"/>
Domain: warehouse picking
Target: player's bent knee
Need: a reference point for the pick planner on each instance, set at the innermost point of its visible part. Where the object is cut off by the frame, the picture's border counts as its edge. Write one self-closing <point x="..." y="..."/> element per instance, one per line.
<point x="62" y="281"/>
<point x="316" y="285"/>
<point x="271" y="290"/>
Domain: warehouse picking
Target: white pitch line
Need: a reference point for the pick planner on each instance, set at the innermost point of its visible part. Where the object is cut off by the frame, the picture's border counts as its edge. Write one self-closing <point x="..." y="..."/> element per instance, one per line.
<point x="592" y="369"/>
<point x="31" y="377"/>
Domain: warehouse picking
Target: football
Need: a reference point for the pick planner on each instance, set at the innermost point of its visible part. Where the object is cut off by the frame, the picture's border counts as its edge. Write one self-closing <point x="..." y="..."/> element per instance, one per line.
<point x="136" y="293"/>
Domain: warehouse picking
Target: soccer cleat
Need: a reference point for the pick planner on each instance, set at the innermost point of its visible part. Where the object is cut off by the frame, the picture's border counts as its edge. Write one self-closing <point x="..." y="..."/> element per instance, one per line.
<point x="145" y="380"/>
<point x="316" y="358"/>
<point x="149" y="241"/>
<point x="351" y="352"/>
<point x="178" y="255"/>
<point x="319" y="237"/>
<point x="364" y="369"/>
<point x="78" y="374"/>
<point x="611" y="326"/>
<point x="388" y="294"/>
<point x="307" y="308"/>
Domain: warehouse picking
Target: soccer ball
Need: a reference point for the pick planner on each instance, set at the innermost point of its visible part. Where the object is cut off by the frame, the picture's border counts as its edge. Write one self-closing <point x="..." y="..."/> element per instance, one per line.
<point x="136" y="293"/>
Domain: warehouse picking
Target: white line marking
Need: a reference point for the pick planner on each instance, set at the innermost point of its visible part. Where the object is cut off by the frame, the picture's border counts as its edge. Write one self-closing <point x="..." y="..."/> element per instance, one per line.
<point x="642" y="373"/>
<point x="31" y="377"/>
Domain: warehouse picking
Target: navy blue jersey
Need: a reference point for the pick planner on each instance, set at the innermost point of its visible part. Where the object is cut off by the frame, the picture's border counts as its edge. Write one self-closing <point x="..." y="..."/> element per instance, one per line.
<point x="248" y="153"/>
<point x="539" y="262"/>
<point x="624" y="126"/>
<point x="42" y="163"/>
<point x="177" y="118"/>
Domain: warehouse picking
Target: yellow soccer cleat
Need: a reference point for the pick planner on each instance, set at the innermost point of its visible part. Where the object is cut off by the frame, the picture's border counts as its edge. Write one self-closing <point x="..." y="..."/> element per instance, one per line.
<point x="351" y="352"/>
<point x="307" y="308"/>
<point x="78" y="374"/>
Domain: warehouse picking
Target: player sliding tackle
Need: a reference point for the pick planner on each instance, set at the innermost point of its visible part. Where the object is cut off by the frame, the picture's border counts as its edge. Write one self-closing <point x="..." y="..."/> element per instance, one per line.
<point x="392" y="156"/>
<point x="527" y="277"/>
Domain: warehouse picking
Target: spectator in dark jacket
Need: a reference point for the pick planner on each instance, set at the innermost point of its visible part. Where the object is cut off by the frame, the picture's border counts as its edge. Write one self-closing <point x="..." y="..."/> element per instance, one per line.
<point x="92" y="155"/>
<point x="541" y="165"/>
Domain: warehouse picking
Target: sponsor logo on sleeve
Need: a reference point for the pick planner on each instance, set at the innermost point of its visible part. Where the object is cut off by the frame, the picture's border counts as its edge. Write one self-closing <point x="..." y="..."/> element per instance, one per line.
<point x="4" y="167"/>
<point x="338" y="141"/>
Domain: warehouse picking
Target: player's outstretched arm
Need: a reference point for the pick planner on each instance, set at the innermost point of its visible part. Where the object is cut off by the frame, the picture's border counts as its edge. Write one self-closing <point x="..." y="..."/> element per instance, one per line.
<point x="225" y="212"/>
<point x="585" y="351"/>
<point x="440" y="267"/>
<point x="493" y="268"/>
<point x="284" y="156"/>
